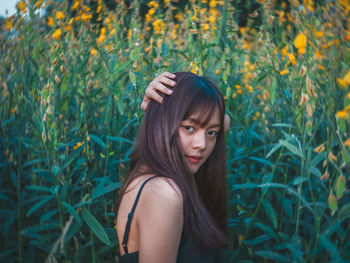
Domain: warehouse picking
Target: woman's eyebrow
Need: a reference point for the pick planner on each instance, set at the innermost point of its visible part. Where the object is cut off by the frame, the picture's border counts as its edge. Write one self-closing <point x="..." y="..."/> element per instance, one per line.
<point x="196" y="121"/>
<point x="217" y="125"/>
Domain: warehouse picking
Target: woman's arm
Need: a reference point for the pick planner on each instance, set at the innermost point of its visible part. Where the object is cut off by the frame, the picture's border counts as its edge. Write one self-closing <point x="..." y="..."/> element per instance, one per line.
<point x="160" y="222"/>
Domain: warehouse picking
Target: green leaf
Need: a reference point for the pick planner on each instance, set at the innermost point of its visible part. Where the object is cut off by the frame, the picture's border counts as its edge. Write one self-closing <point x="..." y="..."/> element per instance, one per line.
<point x="119" y="139"/>
<point x="268" y="230"/>
<point x="95" y="227"/>
<point x="39" y="204"/>
<point x="273" y="90"/>
<point x="118" y="69"/>
<point x="291" y="148"/>
<point x="132" y="77"/>
<point x="270" y="212"/>
<point x="329" y="246"/>
<point x="272" y="255"/>
<point x="299" y="180"/>
<point x="333" y="203"/>
<point x="38" y="228"/>
<point x="71" y="210"/>
<point x="98" y="140"/>
<point x="340" y="186"/>
<point x="105" y="190"/>
<point x="261" y="160"/>
<point x="120" y="106"/>
<point x="275" y="148"/>
<point x="55" y="170"/>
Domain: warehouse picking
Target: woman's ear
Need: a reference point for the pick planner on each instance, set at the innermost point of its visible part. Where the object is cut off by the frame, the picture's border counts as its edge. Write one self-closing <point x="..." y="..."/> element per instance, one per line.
<point x="227" y="122"/>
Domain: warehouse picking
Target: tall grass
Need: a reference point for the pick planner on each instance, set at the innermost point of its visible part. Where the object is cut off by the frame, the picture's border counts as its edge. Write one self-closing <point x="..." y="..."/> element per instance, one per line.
<point x="72" y="80"/>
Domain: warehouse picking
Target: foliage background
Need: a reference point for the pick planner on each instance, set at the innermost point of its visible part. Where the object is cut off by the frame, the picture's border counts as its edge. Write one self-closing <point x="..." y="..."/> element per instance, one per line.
<point x="71" y="84"/>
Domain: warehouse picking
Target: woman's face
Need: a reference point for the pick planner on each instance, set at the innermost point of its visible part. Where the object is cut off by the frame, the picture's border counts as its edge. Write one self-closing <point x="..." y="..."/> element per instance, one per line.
<point x="198" y="142"/>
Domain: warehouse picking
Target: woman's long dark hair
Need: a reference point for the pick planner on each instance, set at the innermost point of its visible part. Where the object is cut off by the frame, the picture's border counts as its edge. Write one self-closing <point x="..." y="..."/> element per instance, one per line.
<point x="157" y="147"/>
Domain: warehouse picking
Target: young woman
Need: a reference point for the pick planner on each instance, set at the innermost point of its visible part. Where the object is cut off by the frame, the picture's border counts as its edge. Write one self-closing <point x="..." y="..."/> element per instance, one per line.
<point x="173" y="205"/>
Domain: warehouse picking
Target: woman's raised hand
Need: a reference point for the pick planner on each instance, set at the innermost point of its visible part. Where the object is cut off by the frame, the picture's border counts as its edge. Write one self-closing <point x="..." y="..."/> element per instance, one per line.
<point x="158" y="84"/>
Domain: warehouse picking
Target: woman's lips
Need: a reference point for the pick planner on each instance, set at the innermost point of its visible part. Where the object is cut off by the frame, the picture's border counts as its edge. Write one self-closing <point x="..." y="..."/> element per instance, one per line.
<point x="194" y="159"/>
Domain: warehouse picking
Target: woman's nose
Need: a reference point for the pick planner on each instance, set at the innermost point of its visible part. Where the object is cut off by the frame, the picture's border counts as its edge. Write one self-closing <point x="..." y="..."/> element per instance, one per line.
<point x="199" y="140"/>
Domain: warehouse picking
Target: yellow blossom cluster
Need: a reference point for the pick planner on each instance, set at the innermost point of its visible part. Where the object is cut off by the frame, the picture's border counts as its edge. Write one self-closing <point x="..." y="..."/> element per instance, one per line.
<point x="21" y="6"/>
<point x="300" y="42"/>
<point x="344" y="82"/>
<point x="158" y="26"/>
<point x="153" y="5"/>
<point x="8" y="23"/>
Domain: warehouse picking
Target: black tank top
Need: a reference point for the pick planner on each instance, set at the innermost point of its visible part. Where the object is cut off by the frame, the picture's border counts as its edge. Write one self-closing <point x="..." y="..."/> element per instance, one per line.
<point x="188" y="253"/>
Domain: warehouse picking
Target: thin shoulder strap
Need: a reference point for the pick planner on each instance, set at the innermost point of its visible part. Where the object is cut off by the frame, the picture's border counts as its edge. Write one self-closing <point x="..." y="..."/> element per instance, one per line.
<point x="130" y="216"/>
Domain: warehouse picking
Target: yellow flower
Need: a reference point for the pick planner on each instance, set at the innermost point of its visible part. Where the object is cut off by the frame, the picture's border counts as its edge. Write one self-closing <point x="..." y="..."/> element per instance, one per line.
<point x="332" y="156"/>
<point x="320" y="148"/>
<point x="321" y="67"/>
<point x="347" y="142"/>
<point x="300" y="43"/>
<point x="319" y="34"/>
<point x="153" y="4"/>
<point x="249" y="88"/>
<point x="212" y="19"/>
<point x="347" y="78"/>
<point x="284" y="72"/>
<point x="60" y="15"/>
<point x="206" y="27"/>
<point x="173" y="33"/>
<point x="341" y="114"/>
<point x="325" y="175"/>
<point x="57" y="34"/>
<point x="85" y="17"/>
<point x="13" y="109"/>
<point x="212" y="3"/>
<point x="112" y="32"/>
<point x="49" y="21"/>
<point x="151" y="11"/>
<point x="93" y="52"/>
<point x="79" y="144"/>
<point x="341" y="82"/>
<point x="8" y="24"/>
<point x="158" y="26"/>
<point x="129" y="34"/>
<point x="38" y="4"/>
<point x="292" y="58"/>
<point x="68" y="28"/>
<point x="75" y="5"/>
<point x="21" y="6"/>
<point x="238" y="86"/>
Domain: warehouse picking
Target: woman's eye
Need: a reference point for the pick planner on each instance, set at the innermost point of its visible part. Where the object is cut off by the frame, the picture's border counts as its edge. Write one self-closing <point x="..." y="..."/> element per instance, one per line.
<point x="189" y="128"/>
<point x="212" y="133"/>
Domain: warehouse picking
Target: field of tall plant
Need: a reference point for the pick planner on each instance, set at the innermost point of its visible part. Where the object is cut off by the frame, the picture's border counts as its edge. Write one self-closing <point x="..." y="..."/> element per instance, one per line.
<point x="72" y="78"/>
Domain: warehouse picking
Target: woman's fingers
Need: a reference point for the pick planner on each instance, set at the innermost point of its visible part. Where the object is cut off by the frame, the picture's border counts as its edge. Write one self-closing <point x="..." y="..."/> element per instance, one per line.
<point x="168" y="75"/>
<point x="150" y="93"/>
<point x="158" y="84"/>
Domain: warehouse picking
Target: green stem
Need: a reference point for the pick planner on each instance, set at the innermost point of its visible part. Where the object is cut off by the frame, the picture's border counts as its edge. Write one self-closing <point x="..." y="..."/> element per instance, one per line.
<point x="19" y="223"/>
<point x="93" y="253"/>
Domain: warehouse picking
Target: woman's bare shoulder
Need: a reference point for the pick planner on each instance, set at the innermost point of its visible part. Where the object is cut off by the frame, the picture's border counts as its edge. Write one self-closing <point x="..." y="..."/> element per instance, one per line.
<point x="164" y="187"/>
<point x="161" y="187"/>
